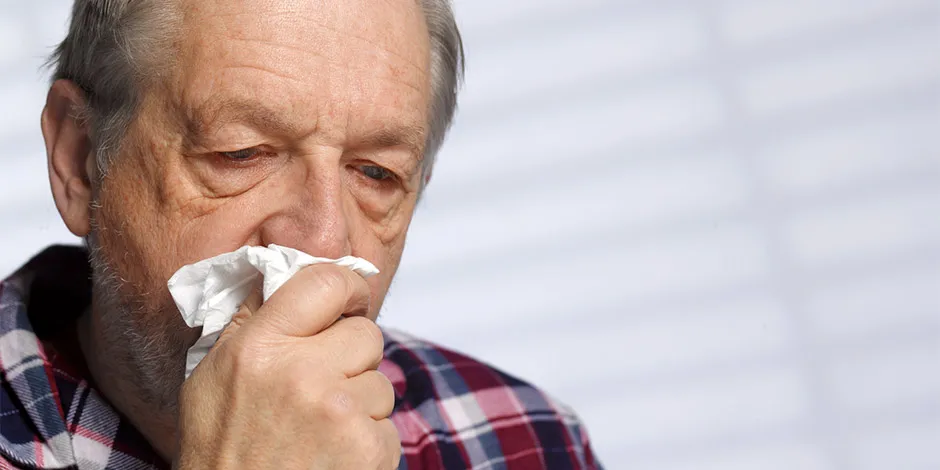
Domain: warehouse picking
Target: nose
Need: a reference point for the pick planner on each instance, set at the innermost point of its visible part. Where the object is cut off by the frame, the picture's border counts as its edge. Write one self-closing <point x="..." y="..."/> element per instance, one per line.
<point x="313" y="218"/>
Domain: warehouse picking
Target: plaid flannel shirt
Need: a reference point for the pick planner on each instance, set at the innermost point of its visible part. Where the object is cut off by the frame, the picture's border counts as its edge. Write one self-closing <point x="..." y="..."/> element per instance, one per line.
<point x="451" y="411"/>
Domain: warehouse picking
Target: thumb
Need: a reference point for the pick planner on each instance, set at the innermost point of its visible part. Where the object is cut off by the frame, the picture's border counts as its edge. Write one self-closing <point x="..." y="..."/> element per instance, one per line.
<point x="250" y="305"/>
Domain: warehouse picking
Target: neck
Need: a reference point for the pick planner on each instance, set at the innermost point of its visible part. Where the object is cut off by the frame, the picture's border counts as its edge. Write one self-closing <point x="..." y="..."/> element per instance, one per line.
<point x="112" y="367"/>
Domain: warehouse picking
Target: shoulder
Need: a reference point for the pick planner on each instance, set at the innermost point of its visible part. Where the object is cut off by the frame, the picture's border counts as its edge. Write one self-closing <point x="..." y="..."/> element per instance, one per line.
<point x="453" y="409"/>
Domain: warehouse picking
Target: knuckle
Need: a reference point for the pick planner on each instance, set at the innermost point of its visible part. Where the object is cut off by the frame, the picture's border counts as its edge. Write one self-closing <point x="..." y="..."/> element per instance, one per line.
<point x="242" y="359"/>
<point x="367" y="331"/>
<point x="299" y="393"/>
<point x="337" y="406"/>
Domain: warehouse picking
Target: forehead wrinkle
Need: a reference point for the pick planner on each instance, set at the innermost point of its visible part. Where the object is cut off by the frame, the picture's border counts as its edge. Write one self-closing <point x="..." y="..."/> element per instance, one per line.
<point x="294" y="17"/>
<point x="404" y="69"/>
<point x="333" y="62"/>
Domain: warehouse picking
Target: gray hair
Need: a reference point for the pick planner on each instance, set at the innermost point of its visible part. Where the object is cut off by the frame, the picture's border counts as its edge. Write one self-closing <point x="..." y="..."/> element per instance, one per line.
<point x="109" y="52"/>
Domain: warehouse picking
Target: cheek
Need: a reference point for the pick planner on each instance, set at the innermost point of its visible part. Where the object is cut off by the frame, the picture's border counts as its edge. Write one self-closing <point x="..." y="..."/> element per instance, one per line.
<point x="388" y="227"/>
<point x="380" y="241"/>
<point x="227" y="227"/>
<point x="135" y="222"/>
<point x="153" y="229"/>
<point x="211" y="226"/>
<point x="386" y="255"/>
<point x="378" y="287"/>
<point x="129" y="245"/>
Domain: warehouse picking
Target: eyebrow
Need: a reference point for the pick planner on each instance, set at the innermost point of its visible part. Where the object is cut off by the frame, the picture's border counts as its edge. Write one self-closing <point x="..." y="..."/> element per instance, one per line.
<point x="410" y="136"/>
<point x="212" y="114"/>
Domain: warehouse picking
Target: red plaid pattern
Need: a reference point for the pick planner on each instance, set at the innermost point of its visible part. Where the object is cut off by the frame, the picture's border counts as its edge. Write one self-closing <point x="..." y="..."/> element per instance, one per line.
<point x="451" y="411"/>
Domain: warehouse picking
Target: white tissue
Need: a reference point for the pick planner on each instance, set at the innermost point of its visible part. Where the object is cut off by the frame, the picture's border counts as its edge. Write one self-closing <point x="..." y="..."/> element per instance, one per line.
<point x="208" y="293"/>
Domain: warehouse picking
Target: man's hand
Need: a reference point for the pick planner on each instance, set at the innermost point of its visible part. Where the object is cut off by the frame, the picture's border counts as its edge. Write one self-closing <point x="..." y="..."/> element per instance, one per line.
<point x="287" y="388"/>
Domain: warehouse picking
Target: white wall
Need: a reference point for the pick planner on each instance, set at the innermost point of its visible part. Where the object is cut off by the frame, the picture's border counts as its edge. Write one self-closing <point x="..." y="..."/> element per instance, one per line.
<point x="711" y="226"/>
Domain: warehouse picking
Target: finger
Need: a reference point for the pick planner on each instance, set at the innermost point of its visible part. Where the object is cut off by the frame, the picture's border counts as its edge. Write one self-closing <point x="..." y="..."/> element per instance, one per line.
<point x="312" y="300"/>
<point x="390" y="436"/>
<point x="249" y="306"/>
<point x="372" y="392"/>
<point x="353" y="345"/>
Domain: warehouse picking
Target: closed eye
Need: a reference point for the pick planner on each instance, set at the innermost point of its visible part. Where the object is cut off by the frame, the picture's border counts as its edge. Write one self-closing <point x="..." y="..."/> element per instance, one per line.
<point x="241" y="155"/>
<point x="376" y="172"/>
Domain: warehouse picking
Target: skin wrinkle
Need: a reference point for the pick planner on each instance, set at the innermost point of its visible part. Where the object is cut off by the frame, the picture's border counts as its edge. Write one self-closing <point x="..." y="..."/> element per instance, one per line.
<point x="196" y="119"/>
<point x="211" y="116"/>
<point x="301" y="81"/>
<point x="378" y="47"/>
<point x="345" y="35"/>
<point x="414" y="137"/>
<point x="261" y="69"/>
<point x="163" y="205"/>
<point x="293" y="15"/>
<point x="415" y="142"/>
<point x="208" y="194"/>
<point x="220" y="202"/>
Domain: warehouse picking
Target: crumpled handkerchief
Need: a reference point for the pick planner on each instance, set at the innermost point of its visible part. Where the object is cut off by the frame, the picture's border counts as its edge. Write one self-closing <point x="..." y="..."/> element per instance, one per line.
<point x="209" y="292"/>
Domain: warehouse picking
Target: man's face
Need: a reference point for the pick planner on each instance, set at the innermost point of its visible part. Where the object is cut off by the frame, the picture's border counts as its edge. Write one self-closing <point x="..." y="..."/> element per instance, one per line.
<point x="299" y="123"/>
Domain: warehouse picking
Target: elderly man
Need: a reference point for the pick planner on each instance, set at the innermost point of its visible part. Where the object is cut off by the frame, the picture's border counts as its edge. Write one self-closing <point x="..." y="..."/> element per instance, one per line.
<point x="179" y="130"/>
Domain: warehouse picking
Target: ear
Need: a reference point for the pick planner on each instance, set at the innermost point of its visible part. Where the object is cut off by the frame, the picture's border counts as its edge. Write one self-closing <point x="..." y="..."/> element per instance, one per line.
<point x="71" y="160"/>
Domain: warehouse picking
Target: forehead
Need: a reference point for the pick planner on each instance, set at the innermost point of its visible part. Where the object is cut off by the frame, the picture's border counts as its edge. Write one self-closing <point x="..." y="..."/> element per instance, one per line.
<point x="324" y="65"/>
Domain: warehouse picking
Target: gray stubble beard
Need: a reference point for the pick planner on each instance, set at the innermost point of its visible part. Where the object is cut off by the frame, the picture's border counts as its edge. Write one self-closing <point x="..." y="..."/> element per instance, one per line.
<point x="140" y="346"/>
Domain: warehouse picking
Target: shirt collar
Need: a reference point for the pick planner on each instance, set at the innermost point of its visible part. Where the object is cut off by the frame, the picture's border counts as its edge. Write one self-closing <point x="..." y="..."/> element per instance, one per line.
<point x="51" y="415"/>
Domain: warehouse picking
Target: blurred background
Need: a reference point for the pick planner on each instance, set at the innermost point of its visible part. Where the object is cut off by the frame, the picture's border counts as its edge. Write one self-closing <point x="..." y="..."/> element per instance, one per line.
<point x="710" y="226"/>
